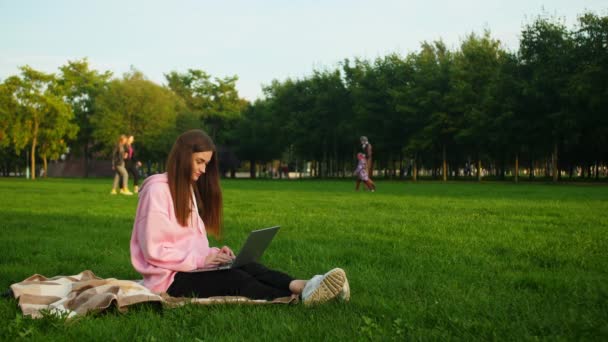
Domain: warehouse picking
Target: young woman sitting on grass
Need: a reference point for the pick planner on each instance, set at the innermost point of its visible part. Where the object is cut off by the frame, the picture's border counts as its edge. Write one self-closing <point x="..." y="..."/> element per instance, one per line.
<point x="175" y="212"/>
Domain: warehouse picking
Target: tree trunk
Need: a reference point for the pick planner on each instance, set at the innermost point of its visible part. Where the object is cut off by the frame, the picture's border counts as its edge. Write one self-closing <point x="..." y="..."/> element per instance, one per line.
<point x="415" y="170"/>
<point x="33" y="153"/>
<point x="45" y="164"/>
<point x="445" y="165"/>
<point x="555" y="168"/>
<point x="397" y="168"/>
<point x="319" y="169"/>
<point x="401" y="172"/>
<point x="85" y="159"/>
<point x="479" y="170"/>
<point x="531" y="174"/>
<point x="252" y="168"/>
<point x="516" y="167"/>
<point x="324" y="163"/>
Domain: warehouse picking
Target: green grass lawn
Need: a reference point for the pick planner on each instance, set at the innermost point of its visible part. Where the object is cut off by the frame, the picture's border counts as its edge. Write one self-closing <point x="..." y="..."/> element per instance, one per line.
<point x="425" y="261"/>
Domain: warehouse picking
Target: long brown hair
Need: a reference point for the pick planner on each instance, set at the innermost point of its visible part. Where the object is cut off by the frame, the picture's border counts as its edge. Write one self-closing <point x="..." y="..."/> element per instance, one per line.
<point x="206" y="189"/>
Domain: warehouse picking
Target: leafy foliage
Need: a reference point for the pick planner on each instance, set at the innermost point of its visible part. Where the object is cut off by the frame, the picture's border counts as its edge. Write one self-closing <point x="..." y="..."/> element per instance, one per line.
<point x="437" y="109"/>
<point x="135" y="106"/>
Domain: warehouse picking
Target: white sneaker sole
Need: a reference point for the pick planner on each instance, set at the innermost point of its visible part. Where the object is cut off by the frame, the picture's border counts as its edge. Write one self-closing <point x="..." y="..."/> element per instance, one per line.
<point x="331" y="285"/>
<point x="345" y="292"/>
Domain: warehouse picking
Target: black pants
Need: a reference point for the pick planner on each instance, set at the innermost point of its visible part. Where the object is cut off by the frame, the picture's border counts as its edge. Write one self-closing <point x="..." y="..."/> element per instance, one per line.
<point x="253" y="281"/>
<point x="132" y="169"/>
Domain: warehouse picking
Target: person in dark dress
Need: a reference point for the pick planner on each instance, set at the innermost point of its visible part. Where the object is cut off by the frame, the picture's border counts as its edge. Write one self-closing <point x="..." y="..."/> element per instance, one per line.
<point x="366" y="150"/>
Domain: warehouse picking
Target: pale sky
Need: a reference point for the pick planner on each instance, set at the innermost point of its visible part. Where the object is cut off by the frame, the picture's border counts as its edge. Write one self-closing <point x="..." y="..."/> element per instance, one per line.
<point x="256" y="40"/>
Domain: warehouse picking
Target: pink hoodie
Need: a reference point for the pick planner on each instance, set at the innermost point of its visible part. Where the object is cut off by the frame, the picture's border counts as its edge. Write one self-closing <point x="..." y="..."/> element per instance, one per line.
<point x="160" y="246"/>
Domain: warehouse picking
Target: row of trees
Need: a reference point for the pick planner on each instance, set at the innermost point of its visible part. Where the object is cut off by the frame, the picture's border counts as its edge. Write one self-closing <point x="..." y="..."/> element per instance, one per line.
<point x="88" y="110"/>
<point x="447" y="112"/>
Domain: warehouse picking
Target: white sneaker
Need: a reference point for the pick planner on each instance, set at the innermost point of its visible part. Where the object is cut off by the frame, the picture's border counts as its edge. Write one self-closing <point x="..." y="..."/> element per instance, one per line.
<point x="322" y="288"/>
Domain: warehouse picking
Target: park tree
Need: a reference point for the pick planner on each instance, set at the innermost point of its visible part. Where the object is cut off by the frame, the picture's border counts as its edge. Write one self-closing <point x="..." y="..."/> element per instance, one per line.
<point x="137" y="106"/>
<point x="287" y="108"/>
<point x="322" y="125"/>
<point x="216" y="102"/>
<point x="256" y="132"/>
<point x="226" y="108"/>
<point x="310" y="120"/>
<point x="54" y="135"/>
<point x="404" y="101"/>
<point x="8" y="110"/>
<point x="370" y="101"/>
<point x="373" y="88"/>
<point x="474" y="73"/>
<point x="194" y="87"/>
<point x="588" y="90"/>
<point x="185" y="120"/>
<point x="430" y="89"/>
<point x="508" y="132"/>
<point x="394" y="73"/>
<point x="42" y="120"/>
<point x="546" y="51"/>
<point x="81" y="86"/>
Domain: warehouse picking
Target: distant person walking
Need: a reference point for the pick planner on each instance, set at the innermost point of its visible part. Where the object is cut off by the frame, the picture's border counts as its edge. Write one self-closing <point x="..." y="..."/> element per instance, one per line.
<point x="366" y="149"/>
<point x="361" y="174"/>
<point x="132" y="164"/>
<point x="118" y="165"/>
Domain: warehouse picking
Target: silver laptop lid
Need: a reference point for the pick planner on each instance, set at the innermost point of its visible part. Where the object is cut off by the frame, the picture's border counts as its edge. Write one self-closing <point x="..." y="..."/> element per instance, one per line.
<point x="255" y="245"/>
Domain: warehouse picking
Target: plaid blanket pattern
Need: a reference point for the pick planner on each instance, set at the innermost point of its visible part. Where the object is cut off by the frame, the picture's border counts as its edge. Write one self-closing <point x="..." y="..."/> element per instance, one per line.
<point x="86" y="293"/>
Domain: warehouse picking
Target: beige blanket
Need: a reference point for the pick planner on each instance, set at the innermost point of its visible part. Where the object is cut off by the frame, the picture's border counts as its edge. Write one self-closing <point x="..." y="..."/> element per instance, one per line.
<point x="85" y="292"/>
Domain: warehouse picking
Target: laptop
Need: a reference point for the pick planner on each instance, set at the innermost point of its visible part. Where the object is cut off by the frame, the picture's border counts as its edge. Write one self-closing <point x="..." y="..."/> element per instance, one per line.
<point x="252" y="250"/>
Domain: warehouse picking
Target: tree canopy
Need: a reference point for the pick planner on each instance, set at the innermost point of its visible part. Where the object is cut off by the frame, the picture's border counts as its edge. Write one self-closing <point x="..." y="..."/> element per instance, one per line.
<point x="474" y="111"/>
